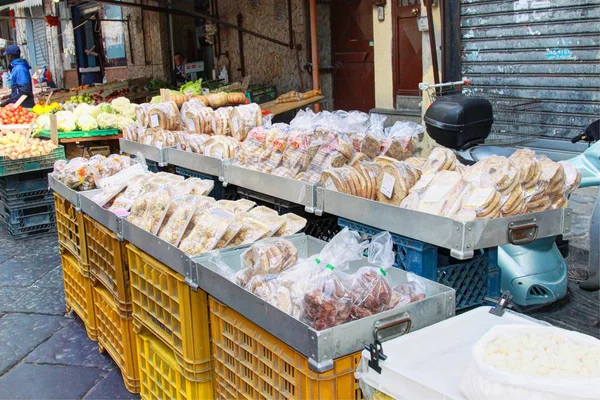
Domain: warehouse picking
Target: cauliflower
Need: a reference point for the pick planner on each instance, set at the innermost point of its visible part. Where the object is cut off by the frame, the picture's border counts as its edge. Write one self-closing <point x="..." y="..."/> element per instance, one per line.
<point x="87" y="123"/>
<point x="83" y="109"/>
<point x="66" y="121"/>
<point x="120" y="104"/>
<point x="123" y="121"/>
<point x="103" y="108"/>
<point x="42" y="123"/>
<point x="106" y="120"/>
<point x="129" y="111"/>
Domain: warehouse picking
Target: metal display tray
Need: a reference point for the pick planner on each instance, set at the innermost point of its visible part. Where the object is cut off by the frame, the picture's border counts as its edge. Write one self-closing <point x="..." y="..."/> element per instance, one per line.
<point x="291" y="190"/>
<point x="72" y="196"/>
<point x="195" y="162"/>
<point x="323" y="347"/>
<point x="462" y="238"/>
<point x="151" y="153"/>
<point x="105" y="217"/>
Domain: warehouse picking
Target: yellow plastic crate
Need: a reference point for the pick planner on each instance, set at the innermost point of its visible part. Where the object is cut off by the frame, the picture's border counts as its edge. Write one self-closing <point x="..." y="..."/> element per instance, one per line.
<point x="115" y="335"/>
<point x="165" y="304"/>
<point x="250" y="363"/>
<point x="69" y="224"/>
<point x="108" y="263"/>
<point x="160" y="373"/>
<point x="78" y="291"/>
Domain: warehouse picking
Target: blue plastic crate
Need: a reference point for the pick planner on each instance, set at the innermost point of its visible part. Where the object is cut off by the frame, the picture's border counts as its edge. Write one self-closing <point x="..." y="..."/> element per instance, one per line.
<point x="29" y="216"/>
<point x="152" y="166"/>
<point x="219" y="192"/>
<point x="472" y="279"/>
<point x="25" y="183"/>
<point x="15" y="200"/>
<point x="17" y="233"/>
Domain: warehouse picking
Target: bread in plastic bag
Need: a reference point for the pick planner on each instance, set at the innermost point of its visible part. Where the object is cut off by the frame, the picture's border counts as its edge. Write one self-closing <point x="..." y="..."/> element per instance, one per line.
<point x="164" y="116"/>
<point x="529" y="166"/>
<point x="81" y="177"/>
<point x="141" y="114"/>
<point x="293" y="224"/>
<point x="401" y="140"/>
<point x="440" y="159"/>
<point x="253" y="146"/>
<point x="299" y="153"/>
<point x="59" y="169"/>
<point x="335" y="151"/>
<point x="220" y="122"/>
<point x="236" y="206"/>
<point x="517" y="372"/>
<point x="394" y="182"/>
<point x="198" y="119"/>
<point x="157" y="206"/>
<point x="369" y="171"/>
<point x="345" y="180"/>
<point x="207" y="232"/>
<point x="270" y="256"/>
<point x="250" y="230"/>
<point x="181" y="211"/>
<point x="243" y="119"/>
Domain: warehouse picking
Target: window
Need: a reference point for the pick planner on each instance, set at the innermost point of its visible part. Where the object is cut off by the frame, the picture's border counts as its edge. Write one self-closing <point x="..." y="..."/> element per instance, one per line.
<point x="66" y="37"/>
<point x="113" y="34"/>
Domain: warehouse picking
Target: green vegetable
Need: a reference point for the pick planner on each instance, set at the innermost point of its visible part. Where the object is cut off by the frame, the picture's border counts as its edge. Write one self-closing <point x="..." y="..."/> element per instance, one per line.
<point x="192" y="87"/>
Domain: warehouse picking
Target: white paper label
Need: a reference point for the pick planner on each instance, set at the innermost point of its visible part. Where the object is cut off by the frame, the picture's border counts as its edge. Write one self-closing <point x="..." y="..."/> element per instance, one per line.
<point x="148" y="140"/>
<point x="436" y="194"/>
<point x="219" y="153"/>
<point x="387" y="185"/>
<point x="214" y="125"/>
<point x="330" y="185"/>
<point x="235" y="123"/>
<point x="191" y="125"/>
<point x="159" y="144"/>
<point x="153" y="121"/>
<point x="478" y="197"/>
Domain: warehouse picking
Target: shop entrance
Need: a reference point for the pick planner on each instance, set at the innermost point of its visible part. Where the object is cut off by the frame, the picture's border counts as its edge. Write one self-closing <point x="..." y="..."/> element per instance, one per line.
<point x="352" y="54"/>
<point x="407" y="48"/>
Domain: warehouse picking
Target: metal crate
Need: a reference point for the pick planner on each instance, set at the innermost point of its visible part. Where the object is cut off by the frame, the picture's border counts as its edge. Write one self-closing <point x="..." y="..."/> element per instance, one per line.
<point x="473" y="279"/>
<point x="11" y="167"/>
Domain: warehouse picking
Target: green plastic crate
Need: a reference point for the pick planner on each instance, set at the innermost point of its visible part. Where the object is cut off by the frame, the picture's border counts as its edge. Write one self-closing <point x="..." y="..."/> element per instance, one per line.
<point x="81" y="134"/>
<point x="11" y="167"/>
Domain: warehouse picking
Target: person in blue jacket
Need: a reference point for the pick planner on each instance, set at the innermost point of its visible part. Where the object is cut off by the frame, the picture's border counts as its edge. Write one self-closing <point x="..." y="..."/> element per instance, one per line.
<point x="20" y="80"/>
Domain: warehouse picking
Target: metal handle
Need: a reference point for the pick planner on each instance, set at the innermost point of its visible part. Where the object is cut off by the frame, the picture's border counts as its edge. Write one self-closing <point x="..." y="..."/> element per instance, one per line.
<point x="391" y="328"/>
<point x="415" y="11"/>
<point x="523" y="232"/>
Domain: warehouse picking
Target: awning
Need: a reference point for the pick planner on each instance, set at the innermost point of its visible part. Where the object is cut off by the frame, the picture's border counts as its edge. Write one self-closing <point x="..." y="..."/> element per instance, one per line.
<point x="16" y="4"/>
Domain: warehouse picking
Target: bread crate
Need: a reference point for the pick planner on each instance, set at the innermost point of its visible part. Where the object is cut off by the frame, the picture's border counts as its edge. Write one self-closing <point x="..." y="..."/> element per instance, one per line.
<point x="107" y="257"/>
<point x="115" y="335"/>
<point x="78" y="291"/>
<point x="161" y="376"/>
<point x="250" y="363"/>
<point x="69" y="224"/>
<point x="165" y="304"/>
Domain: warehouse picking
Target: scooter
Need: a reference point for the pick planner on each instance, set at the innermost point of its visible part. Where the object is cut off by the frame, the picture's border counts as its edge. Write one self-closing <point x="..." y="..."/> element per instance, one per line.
<point x="535" y="273"/>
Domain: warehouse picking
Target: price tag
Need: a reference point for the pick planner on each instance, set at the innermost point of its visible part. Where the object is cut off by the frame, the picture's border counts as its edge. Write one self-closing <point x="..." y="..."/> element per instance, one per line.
<point x="330" y="185"/>
<point x="235" y="123"/>
<point x="219" y="153"/>
<point x="191" y="125"/>
<point x="387" y="185"/>
<point x="214" y="126"/>
<point x="159" y="144"/>
<point x="148" y="140"/>
<point x="153" y="121"/>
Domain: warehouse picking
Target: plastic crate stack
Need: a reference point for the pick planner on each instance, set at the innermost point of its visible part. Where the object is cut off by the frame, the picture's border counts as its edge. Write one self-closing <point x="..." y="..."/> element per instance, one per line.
<point x="473" y="279"/>
<point x="76" y="271"/>
<point x="111" y="299"/>
<point x="171" y="325"/>
<point x="27" y="204"/>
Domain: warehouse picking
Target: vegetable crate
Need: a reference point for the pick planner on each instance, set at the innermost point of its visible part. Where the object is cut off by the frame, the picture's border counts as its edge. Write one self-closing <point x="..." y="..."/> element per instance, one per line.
<point x="70" y="227"/>
<point x="115" y="336"/>
<point x="473" y="279"/>
<point x="78" y="291"/>
<point x="107" y="257"/>
<point x="261" y="94"/>
<point x="25" y="189"/>
<point x="11" y="167"/>
<point x="161" y="376"/>
<point x="250" y="363"/>
<point x="167" y="306"/>
<point x="219" y="192"/>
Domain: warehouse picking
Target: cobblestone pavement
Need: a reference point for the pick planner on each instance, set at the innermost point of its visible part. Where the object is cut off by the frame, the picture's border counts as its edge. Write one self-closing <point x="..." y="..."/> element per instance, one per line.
<point x="45" y="353"/>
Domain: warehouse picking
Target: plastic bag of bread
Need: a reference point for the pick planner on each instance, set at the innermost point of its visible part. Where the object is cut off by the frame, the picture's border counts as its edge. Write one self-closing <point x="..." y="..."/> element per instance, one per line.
<point x="370" y="142"/>
<point x="242" y="205"/>
<point x="270" y="256"/>
<point x="485" y="202"/>
<point x="498" y="172"/>
<point x="292" y="224"/>
<point x="253" y="146"/>
<point x="370" y="286"/>
<point x="139" y="206"/>
<point x="141" y="114"/>
<point x="401" y="139"/>
<point x="300" y="151"/>
<point x="196" y="142"/>
<point x="207" y="232"/>
<point x="133" y="132"/>
<point x="572" y="177"/>
<point x="249" y="231"/>
<point x="124" y="201"/>
<point x="197" y="186"/>
<point x="243" y="119"/>
<point x="220" y="122"/>
<point x="395" y="180"/>
<point x="549" y="188"/>
<point x="190" y="111"/>
<point x="335" y="151"/>
<point x="369" y="171"/>
<point x="199" y="120"/>
<point x="345" y="180"/>
<point x="112" y="164"/>
<point x="164" y="116"/>
<point x="272" y="156"/>
<point x="176" y="220"/>
<point x="156" y="208"/>
<point x="204" y="205"/>
<point x="123" y="177"/>
<point x="217" y="147"/>
<point x="440" y="159"/>
<point x="529" y="167"/>
<point x="439" y="194"/>
<point x="81" y="176"/>
<point x="58" y="172"/>
<point x="182" y="140"/>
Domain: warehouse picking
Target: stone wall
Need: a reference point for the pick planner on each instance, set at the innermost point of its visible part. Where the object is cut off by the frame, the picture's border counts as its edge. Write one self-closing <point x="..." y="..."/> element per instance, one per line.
<point x="268" y="63"/>
<point x="324" y="44"/>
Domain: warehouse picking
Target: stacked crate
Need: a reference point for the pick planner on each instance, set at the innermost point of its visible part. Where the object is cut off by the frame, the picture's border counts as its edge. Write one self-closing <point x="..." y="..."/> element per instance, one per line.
<point x="111" y="295"/>
<point x="27" y="207"/>
<point x="171" y="322"/>
<point x="76" y="272"/>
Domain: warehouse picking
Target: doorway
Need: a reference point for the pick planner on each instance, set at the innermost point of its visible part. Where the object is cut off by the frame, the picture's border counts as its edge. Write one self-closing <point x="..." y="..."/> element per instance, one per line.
<point x="88" y="44"/>
<point x="407" y="48"/>
<point x="352" y="54"/>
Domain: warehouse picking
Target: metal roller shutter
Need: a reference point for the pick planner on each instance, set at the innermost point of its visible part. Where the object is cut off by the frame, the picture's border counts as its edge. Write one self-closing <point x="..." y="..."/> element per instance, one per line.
<point x="544" y="50"/>
<point x="39" y="37"/>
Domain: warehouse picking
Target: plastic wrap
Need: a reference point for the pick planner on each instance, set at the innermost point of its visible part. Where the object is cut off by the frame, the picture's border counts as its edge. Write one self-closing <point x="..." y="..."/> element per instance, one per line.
<point x="160" y="138"/>
<point x="243" y="119"/>
<point x="197" y="186"/>
<point x="293" y="224"/>
<point x="164" y="116"/>
<point x="335" y="151"/>
<point x="196" y="142"/>
<point x="440" y="159"/>
<point x="113" y="165"/>
<point x="190" y="115"/>
<point x="572" y="177"/>
<point x="236" y="206"/>
<point x="219" y="147"/>
<point x="250" y="230"/>
<point x="407" y="292"/>
<point x="139" y="206"/>
<point x="141" y="114"/>
<point x="369" y="171"/>
<point x="178" y="217"/>
<point x="270" y="256"/>
<point x="370" y="142"/>
<point x="370" y="286"/>
<point x="395" y="180"/>
<point x="345" y="180"/>
<point x="199" y="120"/>
<point x="220" y="122"/>
<point x="134" y="132"/>
<point x="299" y="153"/>
<point x="59" y="169"/>
<point x="549" y="188"/>
<point x="157" y="206"/>
<point x="529" y="167"/>
<point x="81" y="176"/>
<point x="207" y="232"/>
<point x="272" y="156"/>
<point x="254" y="145"/>
<point x="401" y="139"/>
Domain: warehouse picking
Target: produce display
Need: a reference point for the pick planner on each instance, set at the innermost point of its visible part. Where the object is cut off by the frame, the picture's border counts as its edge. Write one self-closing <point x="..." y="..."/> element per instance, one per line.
<point x="16" y="115"/>
<point x="320" y="290"/>
<point x="42" y="108"/>
<point x="16" y="146"/>
<point x="191" y="87"/>
<point x="85" y="174"/>
<point x="75" y="100"/>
